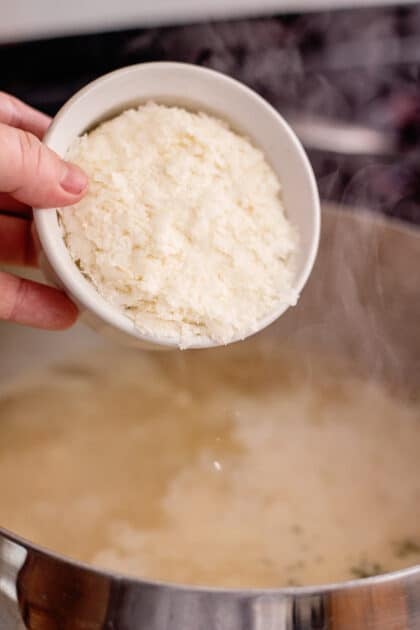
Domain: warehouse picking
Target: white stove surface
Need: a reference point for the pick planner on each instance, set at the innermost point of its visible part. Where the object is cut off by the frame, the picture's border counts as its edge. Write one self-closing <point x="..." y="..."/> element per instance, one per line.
<point x="33" y="19"/>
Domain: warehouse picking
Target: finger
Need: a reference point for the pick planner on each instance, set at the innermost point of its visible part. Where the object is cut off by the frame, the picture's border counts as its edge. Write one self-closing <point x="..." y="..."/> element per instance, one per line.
<point x="32" y="304"/>
<point x="16" y="114"/>
<point x="17" y="246"/>
<point x="33" y="174"/>
<point x="10" y="204"/>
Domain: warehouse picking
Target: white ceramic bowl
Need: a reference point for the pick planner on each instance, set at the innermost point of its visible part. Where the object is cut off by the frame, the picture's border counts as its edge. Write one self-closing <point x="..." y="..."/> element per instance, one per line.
<point x="196" y="88"/>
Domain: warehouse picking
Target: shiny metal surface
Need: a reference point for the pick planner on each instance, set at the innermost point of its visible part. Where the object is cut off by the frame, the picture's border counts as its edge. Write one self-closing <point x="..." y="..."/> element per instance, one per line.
<point x="40" y="591"/>
<point x="362" y="301"/>
<point x="332" y="136"/>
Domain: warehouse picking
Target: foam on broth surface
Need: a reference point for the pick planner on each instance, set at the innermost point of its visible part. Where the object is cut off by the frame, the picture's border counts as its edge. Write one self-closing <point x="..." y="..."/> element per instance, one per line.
<point x="234" y="467"/>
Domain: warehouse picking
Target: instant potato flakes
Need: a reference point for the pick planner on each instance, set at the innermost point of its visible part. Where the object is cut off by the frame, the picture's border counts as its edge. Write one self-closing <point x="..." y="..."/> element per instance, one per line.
<point x="183" y="227"/>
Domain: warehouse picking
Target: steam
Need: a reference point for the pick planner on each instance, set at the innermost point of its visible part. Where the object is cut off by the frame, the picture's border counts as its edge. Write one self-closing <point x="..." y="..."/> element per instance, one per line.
<point x="356" y="66"/>
<point x="359" y="66"/>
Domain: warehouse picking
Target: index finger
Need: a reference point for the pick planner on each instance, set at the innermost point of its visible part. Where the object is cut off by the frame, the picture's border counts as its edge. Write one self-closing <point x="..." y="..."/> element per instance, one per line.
<point x="17" y="114"/>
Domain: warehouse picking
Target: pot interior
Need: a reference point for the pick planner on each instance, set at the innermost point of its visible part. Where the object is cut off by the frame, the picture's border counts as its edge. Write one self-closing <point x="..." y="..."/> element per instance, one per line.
<point x="288" y="459"/>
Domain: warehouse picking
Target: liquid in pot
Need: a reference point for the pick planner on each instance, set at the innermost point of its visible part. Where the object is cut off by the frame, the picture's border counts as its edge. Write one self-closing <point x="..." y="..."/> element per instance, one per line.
<point x="236" y="467"/>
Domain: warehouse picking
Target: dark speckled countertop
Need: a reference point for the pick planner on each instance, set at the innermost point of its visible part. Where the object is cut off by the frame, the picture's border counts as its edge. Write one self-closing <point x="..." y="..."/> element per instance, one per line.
<point x="356" y="65"/>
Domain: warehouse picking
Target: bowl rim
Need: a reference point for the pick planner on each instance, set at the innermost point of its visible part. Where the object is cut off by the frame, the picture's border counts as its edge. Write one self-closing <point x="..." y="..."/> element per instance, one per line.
<point x="89" y="298"/>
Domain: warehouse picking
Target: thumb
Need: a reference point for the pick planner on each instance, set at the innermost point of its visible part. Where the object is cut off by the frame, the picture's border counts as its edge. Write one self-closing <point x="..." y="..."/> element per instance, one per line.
<point x="35" y="175"/>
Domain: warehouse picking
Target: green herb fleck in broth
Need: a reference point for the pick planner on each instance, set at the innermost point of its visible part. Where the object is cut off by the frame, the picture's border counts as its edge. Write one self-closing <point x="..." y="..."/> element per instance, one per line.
<point x="407" y="547"/>
<point x="292" y="582"/>
<point x="366" y="569"/>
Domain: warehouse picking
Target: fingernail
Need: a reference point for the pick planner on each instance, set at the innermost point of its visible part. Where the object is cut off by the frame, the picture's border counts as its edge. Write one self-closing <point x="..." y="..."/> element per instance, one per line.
<point x="74" y="180"/>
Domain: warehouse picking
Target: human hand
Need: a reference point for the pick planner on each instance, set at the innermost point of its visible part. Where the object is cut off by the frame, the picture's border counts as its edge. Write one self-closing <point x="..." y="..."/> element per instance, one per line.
<point x="31" y="175"/>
